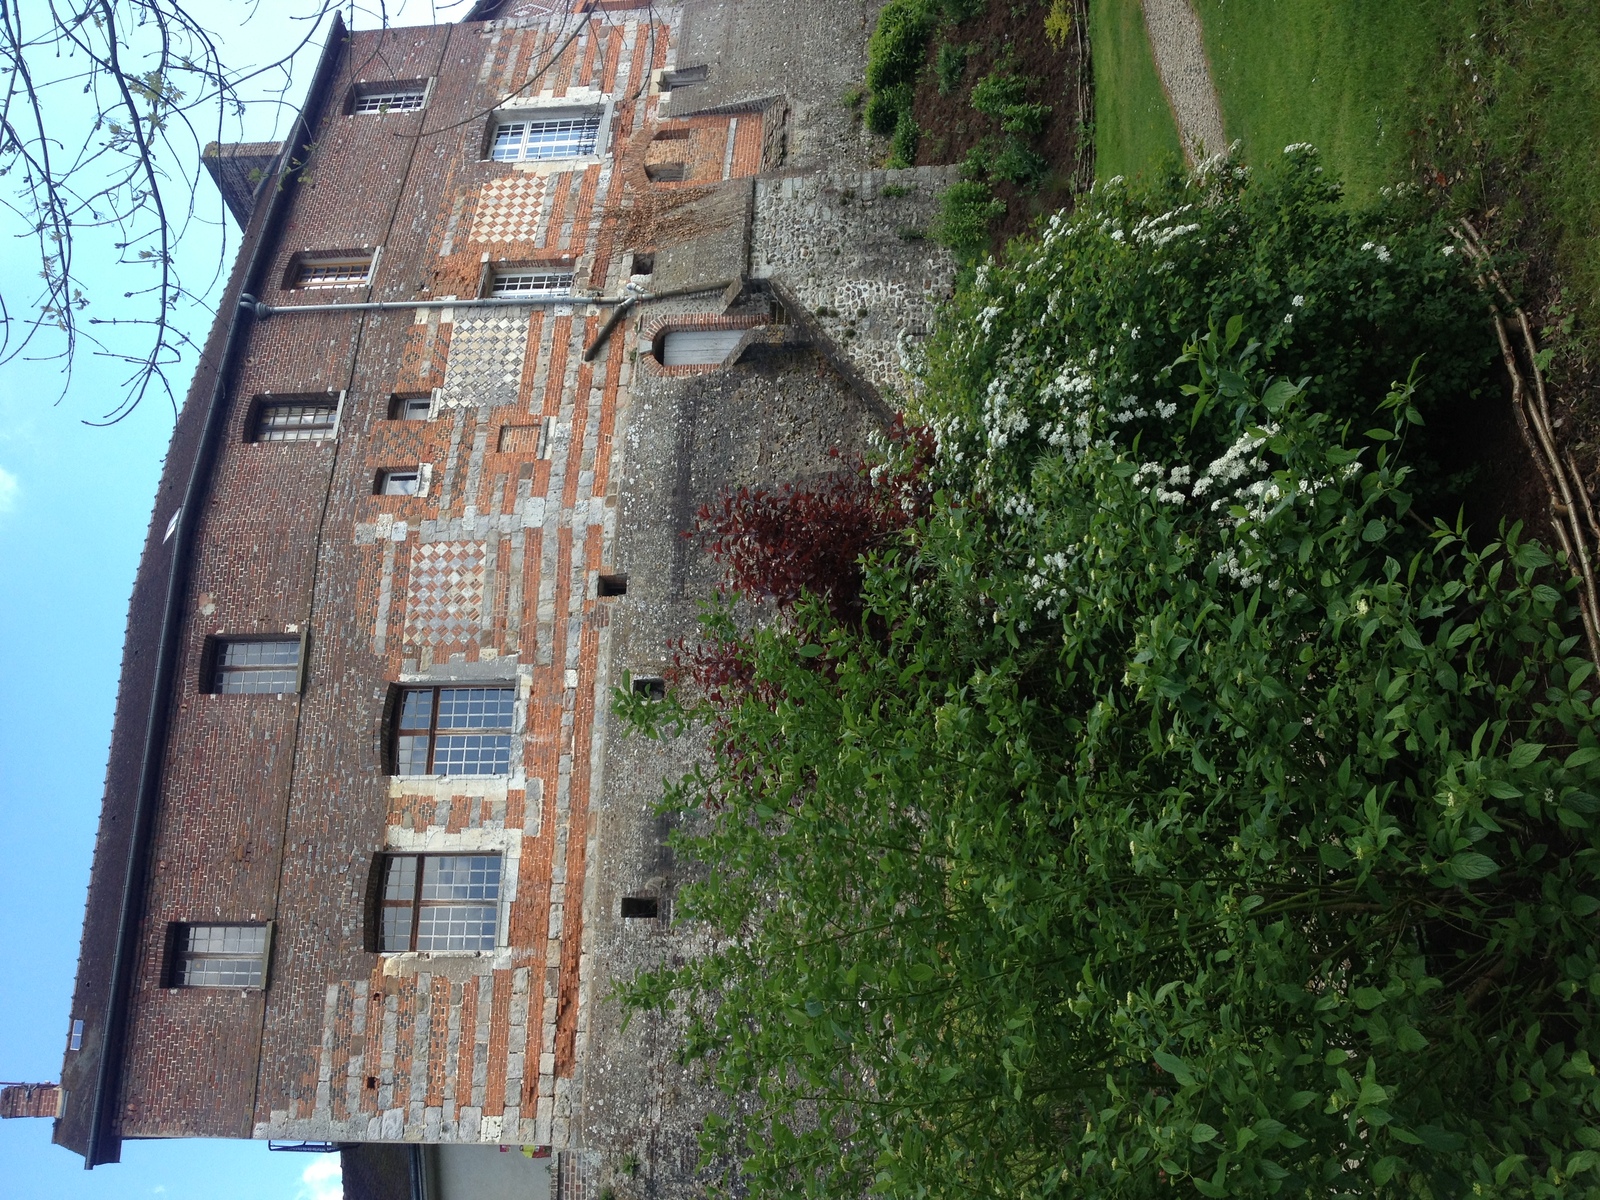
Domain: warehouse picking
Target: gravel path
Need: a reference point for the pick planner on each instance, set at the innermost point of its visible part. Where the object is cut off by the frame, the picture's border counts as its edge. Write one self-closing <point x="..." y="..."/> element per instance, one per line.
<point x="1181" y="61"/>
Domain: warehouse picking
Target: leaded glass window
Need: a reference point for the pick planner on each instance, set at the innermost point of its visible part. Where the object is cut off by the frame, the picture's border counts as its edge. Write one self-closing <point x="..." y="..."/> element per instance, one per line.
<point x="440" y="902"/>
<point x="454" y="731"/>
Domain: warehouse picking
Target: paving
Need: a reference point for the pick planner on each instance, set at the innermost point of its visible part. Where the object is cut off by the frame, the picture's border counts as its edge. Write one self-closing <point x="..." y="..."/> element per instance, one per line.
<point x="1180" y="56"/>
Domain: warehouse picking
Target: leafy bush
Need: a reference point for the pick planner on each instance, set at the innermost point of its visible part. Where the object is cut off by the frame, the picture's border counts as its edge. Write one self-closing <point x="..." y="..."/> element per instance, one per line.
<point x="903" y="149"/>
<point x="1058" y="23"/>
<point x="965" y="210"/>
<point x="1005" y="96"/>
<point x="957" y="11"/>
<point x="885" y="108"/>
<point x="1170" y="807"/>
<point x="1018" y="163"/>
<point x="898" y="43"/>
<point x="950" y="65"/>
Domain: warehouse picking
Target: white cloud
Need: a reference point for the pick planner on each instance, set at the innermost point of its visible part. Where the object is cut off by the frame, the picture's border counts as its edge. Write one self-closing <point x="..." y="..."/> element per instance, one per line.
<point x="9" y="487"/>
<point x="322" y="1180"/>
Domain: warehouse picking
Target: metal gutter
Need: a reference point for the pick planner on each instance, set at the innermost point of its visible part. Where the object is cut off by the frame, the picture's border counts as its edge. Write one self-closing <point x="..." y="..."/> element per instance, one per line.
<point x="103" y="1145"/>
<point x="262" y="311"/>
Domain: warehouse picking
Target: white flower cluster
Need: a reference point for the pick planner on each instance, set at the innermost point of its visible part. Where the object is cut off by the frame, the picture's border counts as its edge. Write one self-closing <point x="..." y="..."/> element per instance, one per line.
<point x="1299" y="148"/>
<point x="1156" y="232"/>
<point x="1380" y="252"/>
<point x="1155" y="480"/>
<point x="1239" y="460"/>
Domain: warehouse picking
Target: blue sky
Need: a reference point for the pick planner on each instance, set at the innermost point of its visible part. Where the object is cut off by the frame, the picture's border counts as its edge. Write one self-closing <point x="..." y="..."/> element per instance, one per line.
<point x="74" y="507"/>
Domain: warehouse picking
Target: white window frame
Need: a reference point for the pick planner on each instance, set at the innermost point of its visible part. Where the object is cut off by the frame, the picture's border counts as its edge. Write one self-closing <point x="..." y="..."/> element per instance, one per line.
<point x="512" y="282"/>
<point x="575" y="106"/>
<point x="390" y="96"/>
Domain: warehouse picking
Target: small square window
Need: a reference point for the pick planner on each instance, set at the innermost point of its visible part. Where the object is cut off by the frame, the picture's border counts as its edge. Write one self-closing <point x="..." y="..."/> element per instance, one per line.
<point x="399" y="483"/>
<point x="219" y="956"/>
<point x="570" y="136"/>
<point x="331" y="272"/>
<point x="382" y="98"/>
<point x="439" y="902"/>
<point x="410" y="408"/>
<point x="510" y="284"/>
<point x="256" y="666"/>
<point x="651" y="687"/>
<point x="608" y="586"/>
<point x="299" y="420"/>
<point x="636" y="908"/>
<point x="454" y="731"/>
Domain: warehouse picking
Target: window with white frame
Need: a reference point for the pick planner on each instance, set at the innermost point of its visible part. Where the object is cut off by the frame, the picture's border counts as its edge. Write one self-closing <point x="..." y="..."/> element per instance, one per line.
<point x="571" y="135"/>
<point x="389" y="98"/>
<point x="219" y="956"/>
<point x="439" y="902"/>
<point x="256" y="666"/>
<point x="405" y="481"/>
<point x="332" y="272"/>
<point x="454" y="730"/>
<point x="511" y="284"/>
<point x="301" y="419"/>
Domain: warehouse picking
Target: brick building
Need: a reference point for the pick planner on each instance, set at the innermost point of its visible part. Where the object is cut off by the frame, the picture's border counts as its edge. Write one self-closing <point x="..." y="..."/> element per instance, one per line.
<point x="514" y="299"/>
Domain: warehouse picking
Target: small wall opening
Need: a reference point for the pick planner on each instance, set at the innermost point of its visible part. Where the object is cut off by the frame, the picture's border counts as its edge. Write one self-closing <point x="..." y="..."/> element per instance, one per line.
<point x="651" y="687"/>
<point x="666" y="172"/>
<point x="608" y="586"/>
<point x="643" y="263"/>
<point x="635" y="908"/>
<point x="698" y="347"/>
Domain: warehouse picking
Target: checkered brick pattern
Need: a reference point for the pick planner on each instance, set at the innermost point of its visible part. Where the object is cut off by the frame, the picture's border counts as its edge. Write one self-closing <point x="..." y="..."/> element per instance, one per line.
<point x="485" y="364"/>
<point x="508" y="209"/>
<point x="444" y="603"/>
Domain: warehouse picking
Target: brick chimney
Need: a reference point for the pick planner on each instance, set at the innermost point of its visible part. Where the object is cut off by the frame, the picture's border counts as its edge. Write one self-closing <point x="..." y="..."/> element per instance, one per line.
<point x="30" y="1099"/>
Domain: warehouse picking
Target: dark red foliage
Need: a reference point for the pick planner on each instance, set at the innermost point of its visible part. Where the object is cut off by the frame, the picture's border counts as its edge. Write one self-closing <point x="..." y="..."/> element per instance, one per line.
<point x="777" y="544"/>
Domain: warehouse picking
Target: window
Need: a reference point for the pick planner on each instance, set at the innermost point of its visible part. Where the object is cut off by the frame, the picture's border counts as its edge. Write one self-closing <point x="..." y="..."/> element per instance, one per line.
<point x="454" y="731"/>
<point x="684" y="75"/>
<point x="611" y="585"/>
<point x="258" y="666"/>
<point x="562" y="137"/>
<point x="344" y="271"/>
<point x="390" y="98"/>
<point x="300" y="420"/>
<point x="640" y="907"/>
<point x="75" y="1038"/>
<point x="533" y="283"/>
<point x="410" y="408"/>
<point x="399" y="483"/>
<point x="231" y="956"/>
<point x="439" y="902"/>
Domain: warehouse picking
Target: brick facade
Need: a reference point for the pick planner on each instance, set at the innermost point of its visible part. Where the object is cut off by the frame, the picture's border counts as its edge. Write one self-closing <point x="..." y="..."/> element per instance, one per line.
<point x="547" y="458"/>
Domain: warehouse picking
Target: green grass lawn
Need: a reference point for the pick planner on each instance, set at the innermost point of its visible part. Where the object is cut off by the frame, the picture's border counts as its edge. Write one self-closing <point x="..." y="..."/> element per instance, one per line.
<point x="1134" y="131"/>
<point x="1349" y="76"/>
<point x="1499" y="99"/>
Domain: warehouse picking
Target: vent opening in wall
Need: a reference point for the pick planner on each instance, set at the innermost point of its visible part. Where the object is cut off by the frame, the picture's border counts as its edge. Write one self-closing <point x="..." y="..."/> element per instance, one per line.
<point x="643" y="263"/>
<point x="665" y="172"/>
<point x="698" y="73"/>
<point x="651" y="687"/>
<point x="611" y="585"/>
<point x="640" y="908"/>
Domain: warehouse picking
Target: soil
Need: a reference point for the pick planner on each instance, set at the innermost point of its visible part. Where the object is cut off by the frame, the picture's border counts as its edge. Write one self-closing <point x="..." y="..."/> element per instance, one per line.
<point x="1009" y="36"/>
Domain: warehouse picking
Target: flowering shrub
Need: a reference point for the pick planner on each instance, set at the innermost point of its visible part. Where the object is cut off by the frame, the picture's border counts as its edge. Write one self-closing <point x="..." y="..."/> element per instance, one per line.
<point x="1179" y="809"/>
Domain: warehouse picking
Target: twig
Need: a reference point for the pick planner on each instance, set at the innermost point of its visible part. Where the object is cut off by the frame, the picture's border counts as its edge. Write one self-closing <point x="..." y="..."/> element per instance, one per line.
<point x="1567" y="517"/>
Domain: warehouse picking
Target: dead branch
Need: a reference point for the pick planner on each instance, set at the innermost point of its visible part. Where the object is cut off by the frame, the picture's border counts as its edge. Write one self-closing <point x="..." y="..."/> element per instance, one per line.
<point x="1572" y="514"/>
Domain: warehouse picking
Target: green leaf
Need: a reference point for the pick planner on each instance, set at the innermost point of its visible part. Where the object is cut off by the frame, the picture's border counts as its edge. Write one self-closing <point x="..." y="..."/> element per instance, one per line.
<point x="1383" y="1170"/>
<point x="1523" y="754"/>
<point x="808" y="650"/>
<point x="1374" y="531"/>
<point x="1367" y="997"/>
<point x="1174" y="1066"/>
<point x="1469" y="864"/>
<point x="1409" y="1040"/>
<point x="1202" y="1133"/>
